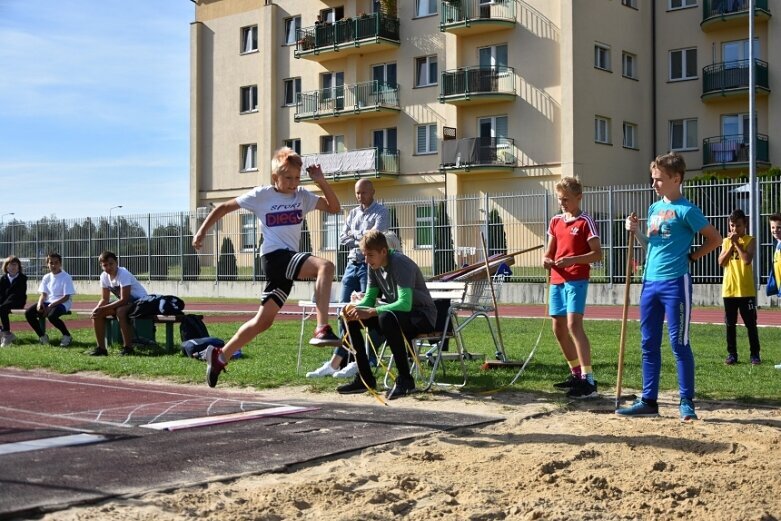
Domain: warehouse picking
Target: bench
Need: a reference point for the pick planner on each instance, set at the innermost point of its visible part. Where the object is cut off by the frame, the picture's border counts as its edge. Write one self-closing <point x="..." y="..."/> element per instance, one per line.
<point x="145" y="328"/>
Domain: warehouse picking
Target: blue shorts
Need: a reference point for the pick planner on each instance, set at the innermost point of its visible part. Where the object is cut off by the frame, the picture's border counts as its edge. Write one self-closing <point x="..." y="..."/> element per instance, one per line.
<point x="568" y="297"/>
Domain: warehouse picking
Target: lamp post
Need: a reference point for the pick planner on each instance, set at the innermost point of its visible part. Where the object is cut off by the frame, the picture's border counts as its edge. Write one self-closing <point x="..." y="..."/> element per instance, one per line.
<point x="109" y="226"/>
<point x="2" y="217"/>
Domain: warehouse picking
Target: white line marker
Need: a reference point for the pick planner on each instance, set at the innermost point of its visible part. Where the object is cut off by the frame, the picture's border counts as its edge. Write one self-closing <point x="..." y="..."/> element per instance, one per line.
<point x="189" y="423"/>
<point x="49" y="443"/>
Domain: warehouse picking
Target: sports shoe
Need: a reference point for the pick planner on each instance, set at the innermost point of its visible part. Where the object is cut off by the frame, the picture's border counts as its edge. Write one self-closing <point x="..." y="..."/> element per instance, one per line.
<point x="400" y="389"/>
<point x="687" y="410"/>
<point x="7" y="339"/>
<point x="639" y="409"/>
<point x="348" y="371"/>
<point x="44" y="340"/>
<point x="731" y="360"/>
<point x="66" y="341"/>
<point x="323" y="370"/>
<point x="777" y="366"/>
<point x="569" y="383"/>
<point x="324" y="336"/>
<point x="583" y="389"/>
<point x="355" y="387"/>
<point x="126" y="351"/>
<point x="99" y="351"/>
<point x="755" y="360"/>
<point x="214" y="366"/>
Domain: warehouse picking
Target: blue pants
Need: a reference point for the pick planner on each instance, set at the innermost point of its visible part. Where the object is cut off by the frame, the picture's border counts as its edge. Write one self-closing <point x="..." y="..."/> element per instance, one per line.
<point x="670" y="299"/>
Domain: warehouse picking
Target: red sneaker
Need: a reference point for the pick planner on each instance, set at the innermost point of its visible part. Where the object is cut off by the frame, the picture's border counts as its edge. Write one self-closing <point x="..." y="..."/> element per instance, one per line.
<point x="214" y="366"/>
<point x="324" y="336"/>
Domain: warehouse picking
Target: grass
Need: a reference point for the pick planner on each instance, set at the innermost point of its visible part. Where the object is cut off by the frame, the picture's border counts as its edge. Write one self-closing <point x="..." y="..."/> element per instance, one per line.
<point x="270" y="360"/>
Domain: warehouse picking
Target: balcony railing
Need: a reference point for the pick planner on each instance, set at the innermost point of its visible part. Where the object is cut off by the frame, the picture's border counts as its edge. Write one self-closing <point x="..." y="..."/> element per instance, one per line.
<point x="355" y="164"/>
<point x="466" y="82"/>
<point x="347" y="33"/>
<point x="725" y="150"/>
<point x="715" y="11"/>
<point x="472" y="152"/>
<point x="455" y="14"/>
<point x="726" y="77"/>
<point x="370" y="96"/>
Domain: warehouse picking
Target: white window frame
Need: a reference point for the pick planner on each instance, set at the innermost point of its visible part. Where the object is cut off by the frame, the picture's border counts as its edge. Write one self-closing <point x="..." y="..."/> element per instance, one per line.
<point x="629" y="3"/>
<point x="249" y="232"/>
<point x="684" y="64"/>
<point x="330" y="231"/>
<point x="331" y="144"/>
<point x="602" y="57"/>
<point x="689" y="142"/>
<point x="249" y="39"/>
<point x="674" y="5"/>
<point x="292" y="25"/>
<point x="602" y="130"/>
<point x="429" y="139"/>
<point x="291" y="88"/>
<point x="423" y="66"/>
<point x="425" y="8"/>
<point x="248" y="99"/>
<point x="294" y="143"/>
<point x="630" y="135"/>
<point x="249" y="157"/>
<point x="629" y="65"/>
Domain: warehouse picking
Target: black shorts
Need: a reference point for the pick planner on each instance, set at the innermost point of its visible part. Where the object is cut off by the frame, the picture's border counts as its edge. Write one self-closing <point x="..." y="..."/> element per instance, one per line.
<point x="281" y="268"/>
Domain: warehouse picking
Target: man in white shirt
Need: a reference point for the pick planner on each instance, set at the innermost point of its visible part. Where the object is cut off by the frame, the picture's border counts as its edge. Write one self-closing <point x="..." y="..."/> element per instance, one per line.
<point x="54" y="301"/>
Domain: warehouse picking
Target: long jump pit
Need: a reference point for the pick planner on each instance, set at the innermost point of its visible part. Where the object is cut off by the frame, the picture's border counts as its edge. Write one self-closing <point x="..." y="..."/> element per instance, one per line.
<point x="67" y="440"/>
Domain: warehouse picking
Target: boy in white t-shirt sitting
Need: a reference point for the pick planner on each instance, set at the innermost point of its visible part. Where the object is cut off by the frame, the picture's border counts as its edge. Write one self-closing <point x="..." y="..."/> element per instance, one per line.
<point x="54" y="301"/>
<point x="125" y="287"/>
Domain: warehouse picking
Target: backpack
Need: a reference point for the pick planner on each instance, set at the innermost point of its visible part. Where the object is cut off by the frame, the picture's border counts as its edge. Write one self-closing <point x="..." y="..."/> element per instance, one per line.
<point x="192" y="348"/>
<point x="152" y="305"/>
<point x="192" y="326"/>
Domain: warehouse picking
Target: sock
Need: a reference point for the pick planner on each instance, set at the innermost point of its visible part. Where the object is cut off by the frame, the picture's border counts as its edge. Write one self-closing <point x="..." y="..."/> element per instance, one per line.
<point x="574" y="367"/>
<point x="222" y="358"/>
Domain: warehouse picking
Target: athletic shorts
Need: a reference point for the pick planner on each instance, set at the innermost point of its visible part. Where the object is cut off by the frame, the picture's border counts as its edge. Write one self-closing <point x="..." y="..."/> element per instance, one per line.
<point x="281" y="268"/>
<point x="568" y="297"/>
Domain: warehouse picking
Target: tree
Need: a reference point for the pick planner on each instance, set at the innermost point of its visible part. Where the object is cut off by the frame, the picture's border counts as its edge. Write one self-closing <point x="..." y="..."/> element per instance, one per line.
<point x="444" y="258"/>
<point x="227" y="268"/>
<point x="497" y="238"/>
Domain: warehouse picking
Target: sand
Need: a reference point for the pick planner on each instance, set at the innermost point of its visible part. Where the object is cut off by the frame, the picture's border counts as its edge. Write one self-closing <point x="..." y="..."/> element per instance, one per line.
<point x="549" y="460"/>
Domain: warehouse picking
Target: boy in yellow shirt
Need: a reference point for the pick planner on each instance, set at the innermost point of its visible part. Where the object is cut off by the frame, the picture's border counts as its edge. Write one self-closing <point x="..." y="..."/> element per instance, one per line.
<point x="738" y="291"/>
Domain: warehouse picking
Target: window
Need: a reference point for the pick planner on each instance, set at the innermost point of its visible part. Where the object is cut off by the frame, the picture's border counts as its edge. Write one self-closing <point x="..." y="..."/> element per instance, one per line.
<point x="680" y="4"/>
<point x="426" y="71"/>
<point x="249" y="39"/>
<point x="332" y="15"/>
<point x="292" y="25"/>
<point x="630" y="3"/>
<point x="248" y="232"/>
<point x="385" y="140"/>
<point x="630" y="135"/>
<point x="683" y="64"/>
<point x="683" y="134"/>
<point x="249" y="99"/>
<point x="426" y="142"/>
<point x="295" y="144"/>
<point x="424" y="221"/>
<point x="330" y="231"/>
<point x="736" y="51"/>
<point x="425" y="7"/>
<point x="494" y="57"/>
<point x="331" y="144"/>
<point x="249" y="157"/>
<point x="628" y="65"/>
<point x="292" y="91"/>
<point x="602" y="57"/>
<point x="602" y="130"/>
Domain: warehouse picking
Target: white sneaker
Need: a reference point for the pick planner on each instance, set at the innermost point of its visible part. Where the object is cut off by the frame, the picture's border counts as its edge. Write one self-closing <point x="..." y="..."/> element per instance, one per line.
<point x="7" y="339"/>
<point x="349" y="371"/>
<point x="324" y="370"/>
<point x="66" y="341"/>
<point x="44" y="340"/>
<point x="777" y="366"/>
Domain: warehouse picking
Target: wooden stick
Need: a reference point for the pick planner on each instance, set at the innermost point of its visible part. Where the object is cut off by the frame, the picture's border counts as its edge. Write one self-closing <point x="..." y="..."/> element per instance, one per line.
<point x="471" y="267"/>
<point x="493" y="294"/>
<point x="624" y="313"/>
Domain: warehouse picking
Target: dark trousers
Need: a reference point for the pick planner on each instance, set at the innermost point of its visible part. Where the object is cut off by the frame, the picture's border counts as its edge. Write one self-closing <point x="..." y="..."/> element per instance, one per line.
<point x="747" y="307"/>
<point x="5" y="322"/>
<point x="395" y="327"/>
<point x="32" y="316"/>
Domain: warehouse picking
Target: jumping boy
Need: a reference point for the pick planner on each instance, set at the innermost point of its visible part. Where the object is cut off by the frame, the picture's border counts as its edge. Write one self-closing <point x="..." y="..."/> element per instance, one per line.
<point x="673" y="222"/>
<point x="280" y="208"/>
<point x="774" y="278"/>
<point x="737" y="289"/>
<point x="573" y="245"/>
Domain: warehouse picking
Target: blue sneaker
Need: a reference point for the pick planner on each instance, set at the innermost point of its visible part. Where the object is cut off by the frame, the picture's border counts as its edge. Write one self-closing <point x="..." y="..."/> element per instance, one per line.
<point x="639" y="409"/>
<point x="687" y="410"/>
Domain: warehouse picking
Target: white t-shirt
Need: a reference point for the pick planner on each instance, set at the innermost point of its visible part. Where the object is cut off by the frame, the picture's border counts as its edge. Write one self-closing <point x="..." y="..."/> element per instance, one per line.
<point x="123" y="278"/>
<point x="280" y="215"/>
<point x="56" y="287"/>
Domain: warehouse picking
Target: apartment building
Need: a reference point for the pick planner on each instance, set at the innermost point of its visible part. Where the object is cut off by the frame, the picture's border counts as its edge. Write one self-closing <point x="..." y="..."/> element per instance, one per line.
<point x="444" y="97"/>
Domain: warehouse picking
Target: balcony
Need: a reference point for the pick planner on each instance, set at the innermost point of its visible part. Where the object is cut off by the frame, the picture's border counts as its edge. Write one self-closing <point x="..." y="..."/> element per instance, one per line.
<point x="361" y="100"/>
<point x="478" y="153"/>
<point x="355" y="164"/>
<point x="368" y="33"/>
<point x="731" y="79"/>
<point x="467" y="17"/>
<point x="477" y="84"/>
<point x="723" y="14"/>
<point x="731" y="152"/>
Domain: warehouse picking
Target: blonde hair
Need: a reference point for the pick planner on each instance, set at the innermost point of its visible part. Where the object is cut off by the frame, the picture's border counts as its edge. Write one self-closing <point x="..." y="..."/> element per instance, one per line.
<point x="283" y="159"/>
<point x="570" y="185"/>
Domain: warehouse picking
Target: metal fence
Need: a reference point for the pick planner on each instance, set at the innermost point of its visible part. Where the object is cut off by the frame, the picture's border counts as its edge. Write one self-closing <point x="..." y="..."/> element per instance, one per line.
<point x="438" y="233"/>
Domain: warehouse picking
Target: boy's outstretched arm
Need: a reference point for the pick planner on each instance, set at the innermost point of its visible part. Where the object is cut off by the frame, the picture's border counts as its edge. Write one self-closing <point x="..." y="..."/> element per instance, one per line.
<point x="215" y="215"/>
<point x="712" y="241"/>
<point x="328" y="202"/>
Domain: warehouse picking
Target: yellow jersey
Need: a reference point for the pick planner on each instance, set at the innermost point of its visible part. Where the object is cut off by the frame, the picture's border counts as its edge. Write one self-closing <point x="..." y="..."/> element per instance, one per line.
<point x="738" y="276"/>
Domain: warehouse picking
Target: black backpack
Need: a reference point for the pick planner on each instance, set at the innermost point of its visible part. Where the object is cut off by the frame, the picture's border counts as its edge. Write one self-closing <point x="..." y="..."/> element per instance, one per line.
<point x="152" y="305"/>
<point x="192" y="326"/>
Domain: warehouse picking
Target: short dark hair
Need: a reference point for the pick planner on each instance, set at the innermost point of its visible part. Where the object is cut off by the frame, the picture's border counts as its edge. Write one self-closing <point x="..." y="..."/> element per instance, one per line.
<point x="54" y="255"/>
<point x="738" y="215"/>
<point x="106" y="255"/>
<point x="776" y="217"/>
<point x="671" y="163"/>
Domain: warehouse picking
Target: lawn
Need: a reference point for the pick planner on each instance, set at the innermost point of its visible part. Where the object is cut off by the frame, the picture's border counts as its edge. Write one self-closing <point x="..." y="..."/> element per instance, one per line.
<point x="270" y="360"/>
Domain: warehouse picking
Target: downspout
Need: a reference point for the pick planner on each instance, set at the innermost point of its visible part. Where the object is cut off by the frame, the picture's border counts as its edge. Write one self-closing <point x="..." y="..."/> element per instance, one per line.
<point x="654" y="150"/>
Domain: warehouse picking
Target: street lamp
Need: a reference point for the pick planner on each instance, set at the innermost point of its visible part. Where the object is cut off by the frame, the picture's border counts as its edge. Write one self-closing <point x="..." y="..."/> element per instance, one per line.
<point x="109" y="225"/>
<point x="2" y="217"/>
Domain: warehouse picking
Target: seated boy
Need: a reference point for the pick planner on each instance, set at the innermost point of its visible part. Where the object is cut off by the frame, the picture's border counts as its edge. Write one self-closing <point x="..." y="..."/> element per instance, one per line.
<point x="54" y="301"/>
